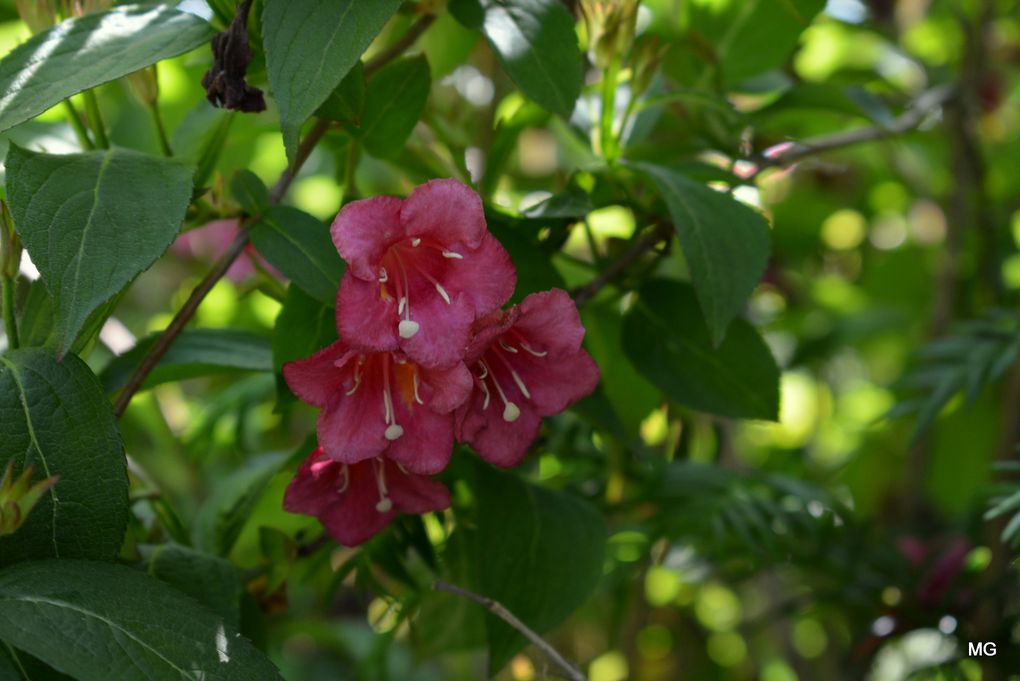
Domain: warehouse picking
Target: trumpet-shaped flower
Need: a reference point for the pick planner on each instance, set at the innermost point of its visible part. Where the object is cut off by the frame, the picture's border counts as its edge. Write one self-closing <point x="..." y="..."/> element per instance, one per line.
<point x="381" y="404"/>
<point x="356" y="501"/>
<point x="420" y="272"/>
<point x="527" y="363"/>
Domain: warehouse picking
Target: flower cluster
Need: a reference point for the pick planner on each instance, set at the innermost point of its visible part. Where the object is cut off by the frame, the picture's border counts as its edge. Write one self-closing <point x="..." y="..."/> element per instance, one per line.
<point x="426" y="357"/>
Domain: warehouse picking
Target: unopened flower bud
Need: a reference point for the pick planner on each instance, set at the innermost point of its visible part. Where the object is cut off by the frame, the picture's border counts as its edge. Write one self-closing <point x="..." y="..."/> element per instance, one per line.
<point x="611" y="25"/>
<point x="39" y="15"/>
<point x="144" y="85"/>
<point x="18" y="496"/>
<point x="645" y="62"/>
<point x="10" y="245"/>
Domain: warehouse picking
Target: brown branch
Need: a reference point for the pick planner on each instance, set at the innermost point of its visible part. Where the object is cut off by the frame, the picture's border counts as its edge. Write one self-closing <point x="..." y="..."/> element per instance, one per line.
<point x="918" y="111"/>
<point x="397" y="48"/>
<point x="569" y="671"/>
<point x="643" y="243"/>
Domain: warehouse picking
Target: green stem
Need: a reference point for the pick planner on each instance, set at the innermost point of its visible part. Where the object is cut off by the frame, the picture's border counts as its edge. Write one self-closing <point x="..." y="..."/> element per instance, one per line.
<point x="157" y="120"/>
<point x="79" y="128"/>
<point x="96" y="120"/>
<point x="10" y="323"/>
<point x="606" y="137"/>
<point x="353" y="152"/>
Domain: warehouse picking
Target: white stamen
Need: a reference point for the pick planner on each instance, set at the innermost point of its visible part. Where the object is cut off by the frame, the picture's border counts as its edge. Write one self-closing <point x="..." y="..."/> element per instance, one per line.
<point x="508" y="348"/>
<point x="533" y="351"/>
<point x="485" y="389"/>
<point x="384" y="276"/>
<point x="417" y="397"/>
<point x="520" y="384"/>
<point x="357" y="377"/>
<point x="385" y="504"/>
<point x="453" y="255"/>
<point x="393" y="432"/>
<point x="401" y="305"/>
<point x="345" y="480"/>
<point x="511" y="412"/>
<point x="407" y="328"/>
<point x="415" y="242"/>
<point x="485" y="370"/>
<point x="442" y="292"/>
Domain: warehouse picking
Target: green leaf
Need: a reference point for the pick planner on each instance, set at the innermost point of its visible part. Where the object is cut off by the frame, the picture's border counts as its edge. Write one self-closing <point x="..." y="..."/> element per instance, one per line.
<point x="57" y="420"/>
<point x="347" y="102"/>
<point x="213" y="582"/>
<point x="81" y="53"/>
<point x="667" y="341"/>
<point x="298" y="245"/>
<point x="393" y="104"/>
<point x="540" y="554"/>
<point x="304" y="326"/>
<point x="537" y="46"/>
<point x="310" y="46"/>
<point x="92" y="222"/>
<point x="753" y="36"/>
<point x="249" y="191"/>
<point x="224" y="514"/>
<point x="90" y="619"/>
<point x="196" y="352"/>
<point x="725" y="242"/>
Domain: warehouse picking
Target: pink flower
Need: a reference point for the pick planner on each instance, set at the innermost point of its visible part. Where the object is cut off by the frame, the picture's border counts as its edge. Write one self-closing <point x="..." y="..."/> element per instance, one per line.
<point x="420" y="272"/>
<point x="356" y="501"/>
<point x="213" y="239"/>
<point x="381" y="404"/>
<point x="527" y="363"/>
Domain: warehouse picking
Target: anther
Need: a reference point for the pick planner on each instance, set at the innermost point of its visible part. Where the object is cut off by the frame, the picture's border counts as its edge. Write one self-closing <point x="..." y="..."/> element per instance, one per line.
<point x="511" y="412"/>
<point x="508" y="348"/>
<point x="533" y="351"/>
<point x="442" y="292"/>
<point x="384" y="276"/>
<point x="407" y="328"/>
<point x="415" y="242"/>
<point x="453" y="255"/>
<point x="393" y="431"/>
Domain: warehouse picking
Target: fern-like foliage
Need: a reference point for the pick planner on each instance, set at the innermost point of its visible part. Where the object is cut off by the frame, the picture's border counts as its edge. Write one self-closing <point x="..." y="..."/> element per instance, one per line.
<point x="1006" y="502"/>
<point x="975" y="354"/>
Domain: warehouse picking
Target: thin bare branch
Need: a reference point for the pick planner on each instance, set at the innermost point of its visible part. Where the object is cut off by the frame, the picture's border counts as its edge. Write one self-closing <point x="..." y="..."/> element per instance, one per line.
<point x="568" y="670"/>
<point x="616" y="268"/>
<point x="397" y="48"/>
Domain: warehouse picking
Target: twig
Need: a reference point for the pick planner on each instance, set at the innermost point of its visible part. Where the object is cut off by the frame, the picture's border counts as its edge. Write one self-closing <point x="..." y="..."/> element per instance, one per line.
<point x="644" y="243"/>
<point x="913" y="117"/>
<point x="178" y="323"/>
<point x="279" y="189"/>
<point x="569" y="671"/>
<point x="95" y="117"/>
<point x="79" y="128"/>
<point x="397" y="48"/>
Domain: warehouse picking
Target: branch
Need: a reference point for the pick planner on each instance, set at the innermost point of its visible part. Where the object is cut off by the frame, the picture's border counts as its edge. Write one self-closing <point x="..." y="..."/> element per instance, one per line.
<point x="397" y="48"/>
<point x="793" y="152"/>
<point x="569" y="671"/>
<point x="644" y="243"/>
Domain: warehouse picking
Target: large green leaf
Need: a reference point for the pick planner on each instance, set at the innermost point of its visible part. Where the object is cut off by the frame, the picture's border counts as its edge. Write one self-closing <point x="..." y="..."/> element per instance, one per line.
<point x="100" y="621"/>
<point x="752" y="36"/>
<point x="224" y="514"/>
<point x="57" y="420"/>
<point x="210" y="580"/>
<point x="92" y="222"/>
<point x="394" y="102"/>
<point x="725" y="242"/>
<point x="310" y="46"/>
<point x="668" y="342"/>
<point x="81" y="53"/>
<point x="299" y="245"/>
<point x="537" y="46"/>
<point x="540" y="554"/>
<point x="196" y="352"/>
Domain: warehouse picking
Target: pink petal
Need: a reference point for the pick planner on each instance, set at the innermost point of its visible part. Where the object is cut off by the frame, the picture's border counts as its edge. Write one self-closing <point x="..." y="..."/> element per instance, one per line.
<point x="415" y="493"/>
<point x="486" y="275"/>
<point x="317" y="378"/>
<point x="364" y="318"/>
<point x="494" y="439"/>
<point x="427" y="442"/>
<point x="314" y="486"/>
<point x="351" y="427"/>
<point x="550" y="320"/>
<point x="443" y="330"/>
<point x="446" y="210"/>
<point x="559" y="382"/>
<point x="363" y="230"/>
<point x="443" y="390"/>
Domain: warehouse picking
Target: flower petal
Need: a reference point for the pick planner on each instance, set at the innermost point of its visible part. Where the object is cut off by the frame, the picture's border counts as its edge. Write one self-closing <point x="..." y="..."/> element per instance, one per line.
<point x="364" y="317"/>
<point x="485" y="274"/>
<point x="363" y="230"/>
<point x="314" y="486"/>
<point x="550" y="321"/>
<point x="496" y="440"/>
<point x="351" y="427"/>
<point x="443" y="330"/>
<point x="427" y="442"/>
<point x="316" y="378"/>
<point x="446" y="210"/>
<point x="415" y="493"/>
